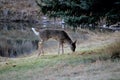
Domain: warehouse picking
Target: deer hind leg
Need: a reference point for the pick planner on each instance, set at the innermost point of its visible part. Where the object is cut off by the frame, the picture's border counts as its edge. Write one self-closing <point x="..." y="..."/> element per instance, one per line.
<point x="42" y="51"/>
<point x="40" y="48"/>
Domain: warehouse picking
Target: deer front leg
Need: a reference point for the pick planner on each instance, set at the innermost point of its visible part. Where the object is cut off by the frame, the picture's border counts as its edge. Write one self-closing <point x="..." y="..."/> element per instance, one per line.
<point x="62" y="48"/>
<point x="59" y="48"/>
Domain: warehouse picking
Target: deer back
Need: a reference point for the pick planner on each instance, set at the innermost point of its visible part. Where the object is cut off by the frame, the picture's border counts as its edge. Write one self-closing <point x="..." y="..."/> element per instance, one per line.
<point x="59" y="35"/>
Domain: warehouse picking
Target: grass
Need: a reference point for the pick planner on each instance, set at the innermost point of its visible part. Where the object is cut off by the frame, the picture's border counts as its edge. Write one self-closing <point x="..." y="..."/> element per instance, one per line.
<point x="91" y="61"/>
<point x="30" y="67"/>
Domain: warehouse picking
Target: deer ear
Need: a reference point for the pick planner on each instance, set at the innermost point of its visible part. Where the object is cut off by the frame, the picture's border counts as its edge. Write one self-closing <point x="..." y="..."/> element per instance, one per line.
<point x="75" y="41"/>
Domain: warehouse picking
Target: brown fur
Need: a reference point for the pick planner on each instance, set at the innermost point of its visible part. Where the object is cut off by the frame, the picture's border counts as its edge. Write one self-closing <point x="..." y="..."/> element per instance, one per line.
<point x="59" y="35"/>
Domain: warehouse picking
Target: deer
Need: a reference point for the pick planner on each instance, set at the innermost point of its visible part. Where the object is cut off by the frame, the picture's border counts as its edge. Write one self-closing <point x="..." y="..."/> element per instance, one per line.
<point x="59" y="35"/>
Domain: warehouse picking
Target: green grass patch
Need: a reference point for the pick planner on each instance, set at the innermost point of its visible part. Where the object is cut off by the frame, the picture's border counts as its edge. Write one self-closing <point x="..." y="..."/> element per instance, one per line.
<point x="24" y="64"/>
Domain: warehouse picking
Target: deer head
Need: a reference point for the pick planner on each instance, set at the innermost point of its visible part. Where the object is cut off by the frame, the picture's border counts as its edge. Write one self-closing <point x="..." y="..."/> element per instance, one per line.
<point x="73" y="46"/>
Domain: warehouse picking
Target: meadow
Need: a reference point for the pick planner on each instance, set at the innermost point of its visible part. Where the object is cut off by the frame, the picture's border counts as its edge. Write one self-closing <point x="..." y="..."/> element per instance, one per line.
<point x="94" y="59"/>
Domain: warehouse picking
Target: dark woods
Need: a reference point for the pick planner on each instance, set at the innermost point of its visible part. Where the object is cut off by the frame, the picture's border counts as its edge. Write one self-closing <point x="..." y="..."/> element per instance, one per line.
<point x="76" y="12"/>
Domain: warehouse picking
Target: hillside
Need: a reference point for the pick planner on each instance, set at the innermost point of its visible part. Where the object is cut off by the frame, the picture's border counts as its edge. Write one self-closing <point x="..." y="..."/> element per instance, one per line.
<point x="92" y="61"/>
<point x="14" y="10"/>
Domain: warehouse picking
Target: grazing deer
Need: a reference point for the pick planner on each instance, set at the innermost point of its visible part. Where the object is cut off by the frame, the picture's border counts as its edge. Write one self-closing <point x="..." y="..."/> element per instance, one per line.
<point x="58" y="35"/>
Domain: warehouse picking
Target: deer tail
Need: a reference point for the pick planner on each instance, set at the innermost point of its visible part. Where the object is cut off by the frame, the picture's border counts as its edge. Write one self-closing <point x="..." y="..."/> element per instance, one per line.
<point x="35" y="32"/>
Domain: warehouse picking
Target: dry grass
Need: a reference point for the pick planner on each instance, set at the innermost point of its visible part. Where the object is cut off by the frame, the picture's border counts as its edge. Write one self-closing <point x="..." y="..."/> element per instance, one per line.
<point x="101" y="43"/>
<point x="17" y="4"/>
<point x="98" y="70"/>
<point x="17" y="34"/>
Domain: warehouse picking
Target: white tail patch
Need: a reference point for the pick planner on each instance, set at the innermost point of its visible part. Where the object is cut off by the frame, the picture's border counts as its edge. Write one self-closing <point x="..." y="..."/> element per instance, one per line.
<point x="36" y="33"/>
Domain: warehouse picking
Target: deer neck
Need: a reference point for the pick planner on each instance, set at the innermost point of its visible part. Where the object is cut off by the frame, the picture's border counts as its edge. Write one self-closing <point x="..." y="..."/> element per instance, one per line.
<point x="69" y="41"/>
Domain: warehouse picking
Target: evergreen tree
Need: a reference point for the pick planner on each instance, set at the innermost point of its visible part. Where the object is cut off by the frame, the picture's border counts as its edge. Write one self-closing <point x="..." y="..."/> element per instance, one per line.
<point x="75" y="12"/>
